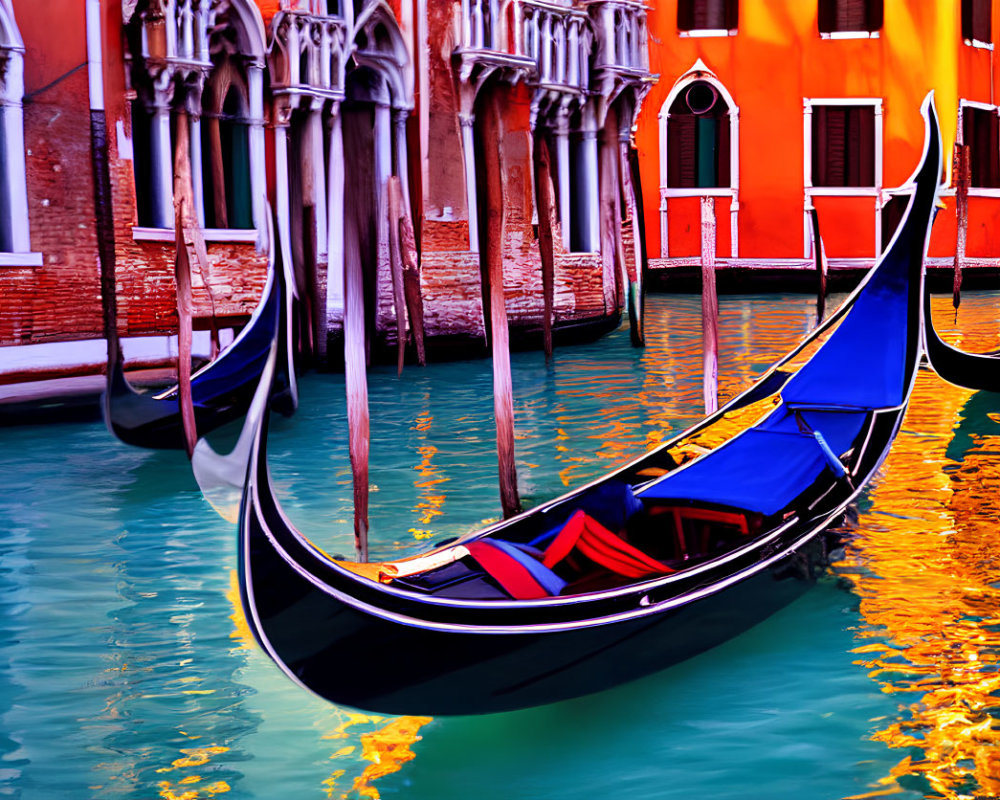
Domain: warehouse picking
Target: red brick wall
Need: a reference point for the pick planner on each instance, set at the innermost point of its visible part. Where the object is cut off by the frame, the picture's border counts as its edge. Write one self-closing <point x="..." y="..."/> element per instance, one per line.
<point x="452" y="294"/>
<point x="61" y="299"/>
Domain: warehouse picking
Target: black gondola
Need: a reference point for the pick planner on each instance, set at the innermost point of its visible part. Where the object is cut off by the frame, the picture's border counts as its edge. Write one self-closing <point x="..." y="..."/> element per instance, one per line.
<point x="660" y="560"/>
<point x="970" y="370"/>
<point x="221" y="391"/>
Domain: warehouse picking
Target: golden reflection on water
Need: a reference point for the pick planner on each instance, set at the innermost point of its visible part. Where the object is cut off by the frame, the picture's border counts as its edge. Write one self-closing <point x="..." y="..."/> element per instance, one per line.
<point x="383" y="749"/>
<point x="924" y="562"/>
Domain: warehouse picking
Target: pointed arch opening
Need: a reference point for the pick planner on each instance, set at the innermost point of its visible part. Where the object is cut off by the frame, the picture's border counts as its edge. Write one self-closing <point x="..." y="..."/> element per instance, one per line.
<point x="699" y="146"/>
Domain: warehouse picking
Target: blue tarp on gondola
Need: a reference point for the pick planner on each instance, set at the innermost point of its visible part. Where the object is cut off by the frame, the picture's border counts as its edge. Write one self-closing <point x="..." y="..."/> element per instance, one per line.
<point x="864" y="362"/>
<point x="759" y="470"/>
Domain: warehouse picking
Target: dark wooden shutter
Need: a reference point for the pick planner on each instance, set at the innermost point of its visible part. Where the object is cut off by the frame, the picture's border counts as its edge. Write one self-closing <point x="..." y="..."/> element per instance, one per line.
<point x="722" y="153"/>
<point x="973" y="136"/>
<point x="892" y="215"/>
<point x="982" y="20"/>
<point x="977" y="20"/>
<point x="732" y="15"/>
<point x="827" y="16"/>
<point x="681" y="153"/>
<point x="967" y="19"/>
<point x="830" y="146"/>
<point x="819" y="146"/>
<point x="994" y="148"/>
<point x="707" y="152"/>
<point x="865" y="169"/>
<point x="851" y="15"/>
<point x="875" y="15"/>
<point x="685" y="15"/>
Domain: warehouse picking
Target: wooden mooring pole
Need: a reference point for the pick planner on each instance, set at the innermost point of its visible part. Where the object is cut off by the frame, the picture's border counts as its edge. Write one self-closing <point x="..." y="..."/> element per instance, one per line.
<point x="356" y="380"/>
<point x="182" y="274"/>
<point x="963" y="177"/>
<point x="819" y="264"/>
<point x="709" y="307"/>
<point x="411" y="283"/>
<point x="637" y="297"/>
<point x="396" y="269"/>
<point x="546" y="246"/>
<point x="503" y="396"/>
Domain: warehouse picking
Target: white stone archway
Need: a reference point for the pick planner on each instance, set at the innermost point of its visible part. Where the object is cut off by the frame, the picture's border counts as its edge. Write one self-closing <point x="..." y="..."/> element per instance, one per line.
<point x="700" y="73"/>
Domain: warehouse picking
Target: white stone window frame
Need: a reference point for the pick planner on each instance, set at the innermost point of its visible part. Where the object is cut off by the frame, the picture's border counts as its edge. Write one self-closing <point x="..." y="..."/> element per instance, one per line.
<point x="700" y="72"/>
<point x="810" y="191"/>
<point x="13" y="168"/>
<point x="707" y="33"/>
<point x="975" y="191"/>
<point x="834" y="35"/>
<point x="253" y="26"/>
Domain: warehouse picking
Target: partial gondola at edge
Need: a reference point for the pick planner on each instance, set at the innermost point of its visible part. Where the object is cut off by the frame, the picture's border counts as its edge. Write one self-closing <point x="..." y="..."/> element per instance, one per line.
<point x="649" y="565"/>
<point x="977" y="371"/>
<point x="223" y="389"/>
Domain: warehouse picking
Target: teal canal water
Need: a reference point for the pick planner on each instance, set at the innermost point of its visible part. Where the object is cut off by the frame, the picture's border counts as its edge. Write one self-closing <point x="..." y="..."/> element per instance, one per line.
<point x="126" y="672"/>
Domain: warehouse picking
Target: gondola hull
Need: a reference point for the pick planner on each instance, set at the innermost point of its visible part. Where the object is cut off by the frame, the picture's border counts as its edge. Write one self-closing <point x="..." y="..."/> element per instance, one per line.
<point x="357" y="659"/>
<point x="478" y="639"/>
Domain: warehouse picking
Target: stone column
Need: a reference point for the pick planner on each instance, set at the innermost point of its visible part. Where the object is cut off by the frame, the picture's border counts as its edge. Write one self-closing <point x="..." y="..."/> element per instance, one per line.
<point x="334" y="317"/>
<point x="258" y="171"/>
<point x="399" y="117"/>
<point x="197" y="173"/>
<point x="469" y="153"/>
<point x="317" y="193"/>
<point x="591" y="237"/>
<point x="563" y="170"/>
<point x="282" y="209"/>
<point x="162" y="166"/>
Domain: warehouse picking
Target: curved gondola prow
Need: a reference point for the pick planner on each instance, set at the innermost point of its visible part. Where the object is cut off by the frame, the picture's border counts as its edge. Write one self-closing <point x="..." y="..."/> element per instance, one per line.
<point x="222" y="478"/>
<point x="223" y="389"/>
<point x="976" y="371"/>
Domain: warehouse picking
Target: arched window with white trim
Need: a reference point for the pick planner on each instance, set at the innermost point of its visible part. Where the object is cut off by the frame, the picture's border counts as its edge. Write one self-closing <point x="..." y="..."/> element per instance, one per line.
<point x="698" y="139"/>
<point x="699" y="146"/>
<point x="209" y="56"/>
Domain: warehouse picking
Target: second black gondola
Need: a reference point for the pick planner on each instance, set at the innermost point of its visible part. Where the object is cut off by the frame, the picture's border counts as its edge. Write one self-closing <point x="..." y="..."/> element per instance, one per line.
<point x="222" y="390"/>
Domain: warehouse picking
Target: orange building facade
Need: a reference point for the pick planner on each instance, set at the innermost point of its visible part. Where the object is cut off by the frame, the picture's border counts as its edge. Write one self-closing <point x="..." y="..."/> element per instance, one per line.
<point x="767" y="108"/>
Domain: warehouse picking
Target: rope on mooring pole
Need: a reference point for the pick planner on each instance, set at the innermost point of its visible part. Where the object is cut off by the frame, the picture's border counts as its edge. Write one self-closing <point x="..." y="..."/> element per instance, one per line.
<point x="709" y="307"/>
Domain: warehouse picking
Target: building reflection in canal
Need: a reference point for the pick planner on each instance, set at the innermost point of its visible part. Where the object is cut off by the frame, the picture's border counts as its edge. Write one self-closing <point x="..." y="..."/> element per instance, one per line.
<point x="925" y="561"/>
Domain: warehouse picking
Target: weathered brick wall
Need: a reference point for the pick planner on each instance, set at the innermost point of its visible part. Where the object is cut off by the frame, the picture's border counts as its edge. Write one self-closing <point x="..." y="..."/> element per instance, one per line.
<point x="452" y="294"/>
<point x="59" y="300"/>
<point x="445" y="235"/>
<point x="579" y="286"/>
